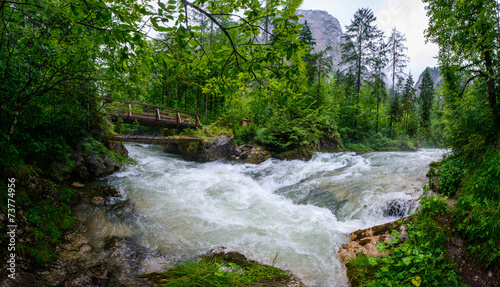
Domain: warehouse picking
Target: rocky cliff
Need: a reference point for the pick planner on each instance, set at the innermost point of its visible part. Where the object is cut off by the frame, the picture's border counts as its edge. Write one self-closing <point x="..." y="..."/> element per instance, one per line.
<point x="326" y="31"/>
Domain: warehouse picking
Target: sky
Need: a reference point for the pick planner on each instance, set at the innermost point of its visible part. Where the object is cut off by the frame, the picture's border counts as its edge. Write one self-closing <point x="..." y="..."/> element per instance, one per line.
<point x="408" y="16"/>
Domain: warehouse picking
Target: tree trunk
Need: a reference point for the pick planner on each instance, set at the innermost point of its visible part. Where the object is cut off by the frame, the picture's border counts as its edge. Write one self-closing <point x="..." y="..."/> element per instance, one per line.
<point x="490" y="84"/>
<point x="378" y="104"/>
<point x="393" y="69"/>
<point x="206" y="107"/>
<point x="210" y="43"/>
<point x="198" y="101"/>
<point x="319" y="87"/>
<point x="14" y="121"/>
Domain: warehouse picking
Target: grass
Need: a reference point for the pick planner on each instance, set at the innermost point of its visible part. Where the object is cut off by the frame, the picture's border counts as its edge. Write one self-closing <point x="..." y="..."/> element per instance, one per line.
<point x="219" y="270"/>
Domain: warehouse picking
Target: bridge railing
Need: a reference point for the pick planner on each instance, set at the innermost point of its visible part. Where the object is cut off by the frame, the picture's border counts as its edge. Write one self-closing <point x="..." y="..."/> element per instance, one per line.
<point x="136" y="109"/>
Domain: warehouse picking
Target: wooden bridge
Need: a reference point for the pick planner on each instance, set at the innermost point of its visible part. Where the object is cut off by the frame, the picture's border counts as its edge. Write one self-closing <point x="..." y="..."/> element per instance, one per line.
<point x="149" y="115"/>
<point x="153" y="139"/>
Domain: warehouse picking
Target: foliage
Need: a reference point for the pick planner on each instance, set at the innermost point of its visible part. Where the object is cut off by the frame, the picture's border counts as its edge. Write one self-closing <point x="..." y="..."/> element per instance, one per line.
<point x="477" y="218"/>
<point x="215" y="271"/>
<point x="397" y="57"/>
<point x="426" y="97"/>
<point x="418" y="261"/>
<point x="285" y="131"/>
<point x="467" y="34"/>
<point x="451" y="172"/>
<point x="433" y="206"/>
<point x="48" y="216"/>
<point x="359" y="37"/>
<point x="214" y="130"/>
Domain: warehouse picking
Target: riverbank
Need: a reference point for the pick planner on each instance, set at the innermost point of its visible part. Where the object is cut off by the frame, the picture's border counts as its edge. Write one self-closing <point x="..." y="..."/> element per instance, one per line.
<point x="452" y="241"/>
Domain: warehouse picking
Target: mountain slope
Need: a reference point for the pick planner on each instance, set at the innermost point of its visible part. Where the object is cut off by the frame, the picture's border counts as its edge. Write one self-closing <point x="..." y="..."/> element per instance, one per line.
<point x="326" y="31"/>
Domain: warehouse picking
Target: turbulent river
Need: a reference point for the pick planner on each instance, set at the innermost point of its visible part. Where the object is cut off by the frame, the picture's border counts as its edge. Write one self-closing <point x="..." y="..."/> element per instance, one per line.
<point x="300" y="211"/>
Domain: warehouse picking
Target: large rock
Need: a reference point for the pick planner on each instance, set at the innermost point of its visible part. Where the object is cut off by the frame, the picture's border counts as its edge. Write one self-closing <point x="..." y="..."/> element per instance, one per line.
<point x="91" y="165"/>
<point x="326" y="31"/>
<point x="364" y="241"/>
<point x="21" y="279"/>
<point x="250" y="154"/>
<point x="96" y="194"/>
<point x="207" y="150"/>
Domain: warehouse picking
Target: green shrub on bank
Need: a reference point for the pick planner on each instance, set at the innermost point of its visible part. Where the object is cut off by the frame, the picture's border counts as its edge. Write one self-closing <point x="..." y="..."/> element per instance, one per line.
<point x="433" y="206"/>
<point x="451" y="172"/>
<point x="47" y="217"/>
<point x="477" y="217"/>
<point x="418" y="261"/>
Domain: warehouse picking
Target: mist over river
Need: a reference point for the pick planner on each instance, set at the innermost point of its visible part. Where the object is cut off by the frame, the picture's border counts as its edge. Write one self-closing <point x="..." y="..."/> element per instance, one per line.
<point x="300" y="210"/>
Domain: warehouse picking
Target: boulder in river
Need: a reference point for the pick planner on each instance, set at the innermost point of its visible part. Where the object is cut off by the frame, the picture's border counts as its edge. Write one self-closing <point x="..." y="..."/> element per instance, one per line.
<point x="210" y="149"/>
<point x="250" y="154"/>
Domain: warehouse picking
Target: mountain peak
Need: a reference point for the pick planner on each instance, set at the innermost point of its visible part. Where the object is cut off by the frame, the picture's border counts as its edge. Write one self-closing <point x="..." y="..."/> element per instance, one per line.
<point x="326" y="31"/>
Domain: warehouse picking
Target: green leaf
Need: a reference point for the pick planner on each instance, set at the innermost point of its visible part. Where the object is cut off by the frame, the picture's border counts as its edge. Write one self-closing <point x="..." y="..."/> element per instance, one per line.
<point x="234" y="265"/>
<point x="373" y="260"/>
<point x="416" y="281"/>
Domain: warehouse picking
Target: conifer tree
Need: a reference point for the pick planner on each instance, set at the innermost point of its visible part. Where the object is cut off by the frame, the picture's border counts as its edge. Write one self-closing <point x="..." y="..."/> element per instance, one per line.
<point x="396" y="55"/>
<point x="359" y="36"/>
<point x="426" y="97"/>
<point x="407" y="99"/>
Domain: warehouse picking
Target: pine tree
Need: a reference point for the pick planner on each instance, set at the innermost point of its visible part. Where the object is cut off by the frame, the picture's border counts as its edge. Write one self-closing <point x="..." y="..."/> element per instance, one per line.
<point x="407" y="99"/>
<point x="396" y="54"/>
<point x="359" y="36"/>
<point x="378" y="62"/>
<point x="307" y="36"/>
<point x="308" y="58"/>
<point x="426" y="98"/>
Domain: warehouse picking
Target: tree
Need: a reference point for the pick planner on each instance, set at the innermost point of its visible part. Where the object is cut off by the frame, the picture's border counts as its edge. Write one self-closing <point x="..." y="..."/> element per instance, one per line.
<point x="407" y="99"/>
<point x="426" y="98"/>
<point x="378" y="62"/>
<point x="359" y="36"/>
<point x="309" y="58"/>
<point x="394" y="114"/>
<point x="323" y="64"/>
<point x="396" y="54"/>
<point x="307" y="37"/>
<point x="468" y="35"/>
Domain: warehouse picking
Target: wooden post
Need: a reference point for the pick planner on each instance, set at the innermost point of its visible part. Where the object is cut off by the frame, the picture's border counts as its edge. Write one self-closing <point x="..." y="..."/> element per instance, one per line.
<point x="129" y="110"/>
<point x="198" y="120"/>
<point x="179" y="120"/>
<point x="158" y="117"/>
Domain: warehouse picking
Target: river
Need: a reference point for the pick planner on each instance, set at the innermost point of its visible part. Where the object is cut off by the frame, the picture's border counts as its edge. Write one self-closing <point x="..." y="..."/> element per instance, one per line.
<point x="300" y="211"/>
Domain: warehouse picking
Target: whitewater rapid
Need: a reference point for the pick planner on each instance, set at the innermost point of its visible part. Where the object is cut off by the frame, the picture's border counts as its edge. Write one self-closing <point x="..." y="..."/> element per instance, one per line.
<point x="300" y="211"/>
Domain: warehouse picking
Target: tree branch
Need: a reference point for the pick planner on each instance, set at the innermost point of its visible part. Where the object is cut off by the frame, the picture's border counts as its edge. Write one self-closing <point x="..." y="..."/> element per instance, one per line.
<point x="223" y="29"/>
<point x="467" y="83"/>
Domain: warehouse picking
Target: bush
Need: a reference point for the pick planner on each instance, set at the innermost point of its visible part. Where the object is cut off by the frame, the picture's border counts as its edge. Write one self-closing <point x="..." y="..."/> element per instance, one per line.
<point x="451" y="172"/>
<point x="419" y="261"/>
<point x="477" y="218"/>
<point x="433" y="205"/>
<point x="380" y="143"/>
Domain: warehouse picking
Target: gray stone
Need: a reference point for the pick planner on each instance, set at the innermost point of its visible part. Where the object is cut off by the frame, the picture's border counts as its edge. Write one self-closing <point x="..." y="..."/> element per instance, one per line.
<point x="98" y="200"/>
<point x="207" y="150"/>
<point x="326" y="31"/>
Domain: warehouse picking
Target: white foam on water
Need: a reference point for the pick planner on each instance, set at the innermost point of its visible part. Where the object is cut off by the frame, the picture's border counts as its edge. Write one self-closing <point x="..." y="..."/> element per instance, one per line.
<point x="185" y="209"/>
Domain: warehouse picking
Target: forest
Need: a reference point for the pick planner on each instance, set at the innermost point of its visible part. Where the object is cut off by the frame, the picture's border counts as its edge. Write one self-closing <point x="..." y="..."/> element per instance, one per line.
<point x="232" y="60"/>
